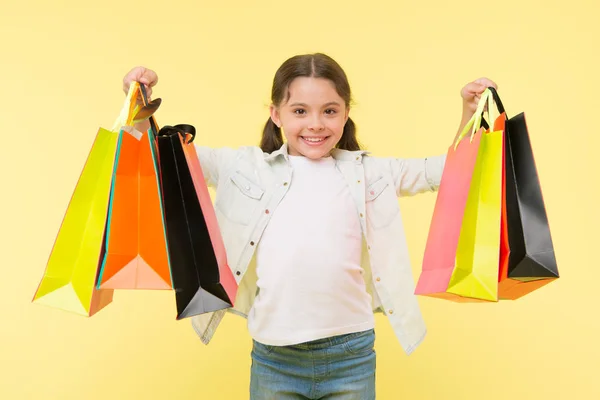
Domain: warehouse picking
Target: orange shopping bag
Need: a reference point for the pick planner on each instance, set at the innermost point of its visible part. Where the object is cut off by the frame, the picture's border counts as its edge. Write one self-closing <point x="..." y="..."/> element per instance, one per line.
<point x="136" y="249"/>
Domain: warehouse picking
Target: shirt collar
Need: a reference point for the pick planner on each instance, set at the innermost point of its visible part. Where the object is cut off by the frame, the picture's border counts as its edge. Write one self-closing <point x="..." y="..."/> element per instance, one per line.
<point x="337" y="154"/>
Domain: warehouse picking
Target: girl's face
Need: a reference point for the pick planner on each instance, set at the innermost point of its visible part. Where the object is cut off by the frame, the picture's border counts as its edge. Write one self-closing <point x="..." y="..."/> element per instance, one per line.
<point x="313" y="117"/>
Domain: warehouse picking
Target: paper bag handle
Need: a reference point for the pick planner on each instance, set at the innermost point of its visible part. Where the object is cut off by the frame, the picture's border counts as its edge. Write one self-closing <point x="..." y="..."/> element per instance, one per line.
<point x="475" y="122"/>
<point x="152" y="120"/>
<point x="188" y="132"/>
<point x="130" y="108"/>
<point x="496" y="99"/>
<point x="494" y="103"/>
<point x="492" y="99"/>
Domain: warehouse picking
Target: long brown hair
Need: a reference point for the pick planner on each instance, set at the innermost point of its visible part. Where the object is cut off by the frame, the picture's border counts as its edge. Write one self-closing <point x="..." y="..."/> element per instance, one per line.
<point x="316" y="65"/>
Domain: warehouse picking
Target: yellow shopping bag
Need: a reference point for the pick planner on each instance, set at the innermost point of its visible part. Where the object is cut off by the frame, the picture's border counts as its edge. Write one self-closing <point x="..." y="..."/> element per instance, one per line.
<point x="68" y="282"/>
<point x="475" y="276"/>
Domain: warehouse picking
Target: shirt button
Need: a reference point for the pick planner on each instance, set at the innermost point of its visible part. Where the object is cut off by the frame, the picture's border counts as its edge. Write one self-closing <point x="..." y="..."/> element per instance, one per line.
<point x="372" y="192"/>
<point x="391" y="311"/>
<point x="378" y="279"/>
<point x="369" y="247"/>
<point x="251" y="243"/>
<point x="247" y="187"/>
<point x="358" y="181"/>
<point x="238" y="273"/>
<point x="267" y="211"/>
<point x="357" y="158"/>
<point x="285" y="183"/>
<point x="361" y="215"/>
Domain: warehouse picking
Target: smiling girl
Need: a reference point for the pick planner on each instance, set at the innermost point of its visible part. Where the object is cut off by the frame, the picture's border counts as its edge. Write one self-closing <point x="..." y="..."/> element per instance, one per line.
<point x="314" y="236"/>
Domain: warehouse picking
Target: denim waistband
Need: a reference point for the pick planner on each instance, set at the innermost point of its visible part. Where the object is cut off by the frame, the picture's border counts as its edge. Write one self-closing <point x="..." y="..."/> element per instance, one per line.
<point x="330" y="341"/>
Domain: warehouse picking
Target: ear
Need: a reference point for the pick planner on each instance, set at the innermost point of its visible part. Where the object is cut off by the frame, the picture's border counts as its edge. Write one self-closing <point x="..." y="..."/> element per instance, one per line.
<point x="347" y="115"/>
<point x="275" y="115"/>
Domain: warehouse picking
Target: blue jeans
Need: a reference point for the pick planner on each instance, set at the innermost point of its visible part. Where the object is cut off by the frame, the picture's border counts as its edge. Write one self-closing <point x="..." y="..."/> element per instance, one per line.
<point x="336" y="368"/>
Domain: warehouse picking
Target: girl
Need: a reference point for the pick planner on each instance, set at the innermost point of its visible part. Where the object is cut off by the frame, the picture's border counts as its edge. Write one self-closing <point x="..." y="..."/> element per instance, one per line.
<point x="314" y="236"/>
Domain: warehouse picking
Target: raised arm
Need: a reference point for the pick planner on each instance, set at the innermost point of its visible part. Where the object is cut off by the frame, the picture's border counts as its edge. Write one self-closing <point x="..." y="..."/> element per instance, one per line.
<point x="417" y="175"/>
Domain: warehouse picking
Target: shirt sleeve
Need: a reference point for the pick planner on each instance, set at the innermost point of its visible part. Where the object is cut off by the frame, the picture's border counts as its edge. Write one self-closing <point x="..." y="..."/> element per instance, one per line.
<point x="214" y="161"/>
<point x="412" y="176"/>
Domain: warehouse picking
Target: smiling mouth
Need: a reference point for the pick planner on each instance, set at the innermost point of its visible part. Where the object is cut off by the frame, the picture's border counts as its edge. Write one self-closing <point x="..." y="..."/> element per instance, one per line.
<point x="314" y="140"/>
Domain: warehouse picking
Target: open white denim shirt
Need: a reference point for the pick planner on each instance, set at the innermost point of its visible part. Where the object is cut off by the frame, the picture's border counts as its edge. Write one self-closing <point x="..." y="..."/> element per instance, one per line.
<point x="250" y="184"/>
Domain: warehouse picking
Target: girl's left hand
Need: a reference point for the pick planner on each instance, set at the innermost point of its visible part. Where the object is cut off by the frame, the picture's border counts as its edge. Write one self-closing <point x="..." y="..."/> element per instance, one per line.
<point x="471" y="93"/>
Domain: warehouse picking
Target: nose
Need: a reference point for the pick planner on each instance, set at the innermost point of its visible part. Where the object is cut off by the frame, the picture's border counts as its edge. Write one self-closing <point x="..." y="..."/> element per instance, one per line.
<point x="316" y="125"/>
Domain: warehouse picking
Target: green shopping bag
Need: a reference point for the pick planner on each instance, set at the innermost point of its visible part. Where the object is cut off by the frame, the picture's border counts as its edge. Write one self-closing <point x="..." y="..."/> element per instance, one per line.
<point x="68" y="282"/>
<point x="475" y="275"/>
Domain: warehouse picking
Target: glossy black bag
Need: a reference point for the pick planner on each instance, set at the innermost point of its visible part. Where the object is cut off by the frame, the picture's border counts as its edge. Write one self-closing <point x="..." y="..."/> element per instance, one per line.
<point x="531" y="257"/>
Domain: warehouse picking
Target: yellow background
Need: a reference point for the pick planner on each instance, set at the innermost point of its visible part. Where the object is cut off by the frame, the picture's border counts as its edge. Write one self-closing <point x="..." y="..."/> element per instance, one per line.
<point x="61" y="65"/>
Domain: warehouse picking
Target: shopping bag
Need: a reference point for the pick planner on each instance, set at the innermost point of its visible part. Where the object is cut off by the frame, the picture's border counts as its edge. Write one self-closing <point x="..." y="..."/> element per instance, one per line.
<point x="475" y="275"/>
<point x="439" y="259"/>
<point x="136" y="249"/>
<point x="499" y="125"/>
<point x="202" y="279"/>
<point x="69" y="280"/>
<point x="531" y="261"/>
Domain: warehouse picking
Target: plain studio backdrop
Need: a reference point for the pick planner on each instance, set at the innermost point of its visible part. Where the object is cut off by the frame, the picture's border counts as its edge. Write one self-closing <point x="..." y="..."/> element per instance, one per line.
<point x="61" y="65"/>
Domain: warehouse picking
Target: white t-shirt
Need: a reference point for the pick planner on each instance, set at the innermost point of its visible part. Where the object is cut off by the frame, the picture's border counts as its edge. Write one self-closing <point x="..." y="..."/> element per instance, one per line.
<point x="309" y="271"/>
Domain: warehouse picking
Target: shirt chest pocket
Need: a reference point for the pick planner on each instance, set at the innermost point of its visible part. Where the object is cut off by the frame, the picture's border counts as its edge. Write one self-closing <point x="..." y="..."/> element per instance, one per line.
<point x="239" y="199"/>
<point x="381" y="203"/>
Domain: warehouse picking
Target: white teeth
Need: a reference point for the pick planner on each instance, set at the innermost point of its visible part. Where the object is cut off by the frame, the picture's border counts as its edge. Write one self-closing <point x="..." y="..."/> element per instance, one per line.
<point x="313" y="139"/>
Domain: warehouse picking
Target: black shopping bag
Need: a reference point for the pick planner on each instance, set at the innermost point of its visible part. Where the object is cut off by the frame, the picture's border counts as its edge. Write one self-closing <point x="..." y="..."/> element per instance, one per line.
<point x="531" y="260"/>
<point x="202" y="284"/>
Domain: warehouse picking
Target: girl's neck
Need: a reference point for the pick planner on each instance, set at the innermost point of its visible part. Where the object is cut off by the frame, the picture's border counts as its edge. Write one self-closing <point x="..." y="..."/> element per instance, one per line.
<point x="302" y="160"/>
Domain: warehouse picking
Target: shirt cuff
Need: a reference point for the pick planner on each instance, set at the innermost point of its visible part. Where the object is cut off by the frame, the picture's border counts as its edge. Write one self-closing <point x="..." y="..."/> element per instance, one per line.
<point x="434" y="168"/>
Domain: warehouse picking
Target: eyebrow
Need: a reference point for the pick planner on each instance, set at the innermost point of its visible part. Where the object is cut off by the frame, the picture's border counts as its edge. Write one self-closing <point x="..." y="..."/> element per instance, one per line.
<point x="331" y="103"/>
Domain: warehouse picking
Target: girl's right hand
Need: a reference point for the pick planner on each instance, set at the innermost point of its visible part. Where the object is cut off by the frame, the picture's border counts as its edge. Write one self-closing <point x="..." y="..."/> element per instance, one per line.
<point x="143" y="75"/>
